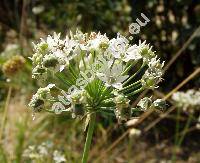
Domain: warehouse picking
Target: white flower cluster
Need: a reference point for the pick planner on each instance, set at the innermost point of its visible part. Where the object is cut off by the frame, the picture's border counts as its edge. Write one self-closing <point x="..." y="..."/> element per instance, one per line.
<point x="38" y="99"/>
<point x="153" y="74"/>
<point x="55" y="53"/>
<point x="43" y="152"/>
<point x="97" y="66"/>
<point x="187" y="100"/>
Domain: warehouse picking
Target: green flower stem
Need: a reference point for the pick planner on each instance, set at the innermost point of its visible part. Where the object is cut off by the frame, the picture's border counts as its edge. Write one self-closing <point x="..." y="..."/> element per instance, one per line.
<point x="89" y="138"/>
<point x="129" y="79"/>
<point x="185" y="130"/>
<point x="5" y="113"/>
<point x="82" y="57"/>
<point x="63" y="79"/>
<point x="72" y="71"/>
<point x="136" y="91"/>
<point x="128" y="68"/>
<point x="130" y="86"/>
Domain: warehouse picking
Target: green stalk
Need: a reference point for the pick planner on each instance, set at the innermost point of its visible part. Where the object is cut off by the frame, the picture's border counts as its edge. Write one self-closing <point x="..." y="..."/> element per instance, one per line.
<point x="130" y="86"/>
<point x="185" y="130"/>
<point x="89" y="138"/>
<point x="128" y="68"/>
<point x="135" y="92"/>
<point x="136" y="73"/>
<point x="176" y="133"/>
<point x="82" y="57"/>
<point x="5" y="113"/>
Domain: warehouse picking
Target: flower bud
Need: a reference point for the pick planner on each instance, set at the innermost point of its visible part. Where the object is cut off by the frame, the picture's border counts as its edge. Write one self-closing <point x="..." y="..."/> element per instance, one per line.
<point x="121" y="101"/>
<point x="123" y="111"/>
<point x="159" y="104"/>
<point x="145" y="103"/>
<point x="134" y="132"/>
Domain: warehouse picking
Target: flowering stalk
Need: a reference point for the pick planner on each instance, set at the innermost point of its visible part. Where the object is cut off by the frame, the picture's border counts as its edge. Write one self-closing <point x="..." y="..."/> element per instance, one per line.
<point x="89" y="137"/>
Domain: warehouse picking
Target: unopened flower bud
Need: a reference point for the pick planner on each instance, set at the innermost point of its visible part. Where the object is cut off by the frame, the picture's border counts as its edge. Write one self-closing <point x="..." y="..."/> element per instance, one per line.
<point x="134" y="132"/>
<point x="159" y="104"/>
<point x="145" y="103"/>
<point x="123" y="111"/>
<point x="121" y="101"/>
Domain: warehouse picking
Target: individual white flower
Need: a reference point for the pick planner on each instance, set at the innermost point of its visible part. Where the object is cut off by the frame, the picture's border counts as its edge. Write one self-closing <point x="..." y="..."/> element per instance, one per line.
<point x="41" y="47"/>
<point x="117" y="46"/>
<point x="132" y="53"/>
<point x="63" y="48"/>
<point x="77" y="96"/>
<point x="58" y="157"/>
<point x="155" y="63"/>
<point x="98" y="42"/>
<point x="79" y="36"/>
<point x="69" y="49"/>
<point x="77" y="99"/>
<point x="121" y="101"/>
<point x="54" y="41"/>
<point x="145" y="51"/>
<point x="31" y="153"/>
<point x="112" y="76"/>
<point x="39" y="72"/>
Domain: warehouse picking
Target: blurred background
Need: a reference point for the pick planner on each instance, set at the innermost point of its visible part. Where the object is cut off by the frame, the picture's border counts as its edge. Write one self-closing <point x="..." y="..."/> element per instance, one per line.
<point x="174" y="33"/>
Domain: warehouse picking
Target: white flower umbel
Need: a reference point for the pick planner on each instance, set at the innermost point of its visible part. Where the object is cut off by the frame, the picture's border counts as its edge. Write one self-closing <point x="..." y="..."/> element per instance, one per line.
<point x="76" y="56"/>
<point x="95" y="75"/>
<point x="187" y="100"/>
